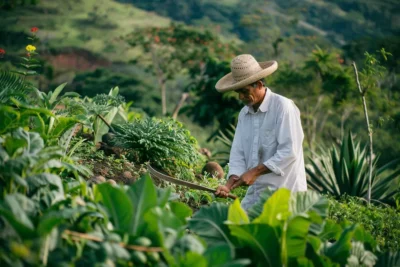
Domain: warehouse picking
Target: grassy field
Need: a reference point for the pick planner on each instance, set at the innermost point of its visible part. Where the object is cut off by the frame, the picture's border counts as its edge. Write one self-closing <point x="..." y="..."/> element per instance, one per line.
<point x="95" y="25"/>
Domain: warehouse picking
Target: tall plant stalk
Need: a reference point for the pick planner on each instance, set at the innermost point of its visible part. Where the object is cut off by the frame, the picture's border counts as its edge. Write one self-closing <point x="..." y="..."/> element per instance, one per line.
<point x="362" y="94"/>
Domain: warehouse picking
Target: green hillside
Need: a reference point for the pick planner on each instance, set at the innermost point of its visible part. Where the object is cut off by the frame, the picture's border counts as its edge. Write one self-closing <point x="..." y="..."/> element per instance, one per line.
<point x="285" y="30"/>
<point x="84" y="43"/>
<point x="93" y="25"/>
<point x="296" y="26"/>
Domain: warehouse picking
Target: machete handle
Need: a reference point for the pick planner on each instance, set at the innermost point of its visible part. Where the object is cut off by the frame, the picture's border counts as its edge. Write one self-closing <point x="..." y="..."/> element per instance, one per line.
<point x="232" y="196"/>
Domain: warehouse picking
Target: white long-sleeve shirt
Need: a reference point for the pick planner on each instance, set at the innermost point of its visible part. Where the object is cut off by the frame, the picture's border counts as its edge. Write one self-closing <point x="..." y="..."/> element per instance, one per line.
<point x="272" y="136"/>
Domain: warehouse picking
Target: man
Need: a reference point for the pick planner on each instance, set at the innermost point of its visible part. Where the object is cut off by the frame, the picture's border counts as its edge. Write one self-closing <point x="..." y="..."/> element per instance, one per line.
<point x="267" y="148"/>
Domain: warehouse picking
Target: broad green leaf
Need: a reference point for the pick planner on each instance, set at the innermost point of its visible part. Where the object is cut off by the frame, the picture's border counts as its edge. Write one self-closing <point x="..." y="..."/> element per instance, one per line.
<point x="50" y="220"/>
<point x="220" y="256"/>
<point x="27" y="110"/>
<point x="143" y="197"/>
<point x="56" y="92"/>
<point x="9" y="118"/>
<point x="114" y="91"/>
<point x="46" y="179"/>
<point x="163" y="195"/>
<point x="70" y="94"/>
<point x="13" y="209"/>
<point x="190" y="242"/>
<point x="340" y="250"/>
<point x="259" y="242"/>
<point x="38" y="124"/>
<point x="308" y="202"/>
<point x="100" y="127"/>
<point x="162" y="227"/>
<point x="208" y="223"/>
<point x="304" y="262"/>
<point x="313" y="254"/>
<point x="53" y="163"/>
<point x="276" y="208"/>
<point x="62" y="124"/>
<point x="312" y="205"/>
<point x="314" y="241"/>
<point x="296" y="236"/>
<point x="331" y="230"/>
<point x="31" y="143"/>
<point x="236" y="214"/>
<point x="118" y="205"/>
<point x="50" y="124"/>
<point x="191" y="259"/>
<point x="181" y="210"/>
<point x="121" y="116"/>
<point x="17" y="179"/>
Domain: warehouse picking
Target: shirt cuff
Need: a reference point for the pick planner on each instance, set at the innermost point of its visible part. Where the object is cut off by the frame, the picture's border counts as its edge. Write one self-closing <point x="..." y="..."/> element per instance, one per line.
<point x="275" y="169"/>
<point x="235" y="172"/>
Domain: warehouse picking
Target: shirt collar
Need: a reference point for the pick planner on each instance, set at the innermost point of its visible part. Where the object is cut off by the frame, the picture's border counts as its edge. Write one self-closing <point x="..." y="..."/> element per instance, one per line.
<point x="264" y="105"/>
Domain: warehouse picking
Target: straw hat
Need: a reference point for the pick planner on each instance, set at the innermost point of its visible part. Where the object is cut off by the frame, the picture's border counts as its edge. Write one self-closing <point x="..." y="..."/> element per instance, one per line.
<point x="245" y="70"/>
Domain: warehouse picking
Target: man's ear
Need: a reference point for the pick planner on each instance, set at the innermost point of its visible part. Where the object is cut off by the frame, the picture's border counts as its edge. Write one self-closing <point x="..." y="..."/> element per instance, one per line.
<point x="260" y="84"/>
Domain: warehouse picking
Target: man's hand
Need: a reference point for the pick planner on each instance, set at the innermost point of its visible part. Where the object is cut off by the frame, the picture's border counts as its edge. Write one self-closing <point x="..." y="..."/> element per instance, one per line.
<point x="237" y="183"/>
<point x="222" y="191"/>
<point x="249" y="177"/>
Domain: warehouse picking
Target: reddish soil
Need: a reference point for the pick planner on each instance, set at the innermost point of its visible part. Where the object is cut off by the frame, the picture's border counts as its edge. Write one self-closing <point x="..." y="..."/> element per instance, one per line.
<point x="75" y="59"/>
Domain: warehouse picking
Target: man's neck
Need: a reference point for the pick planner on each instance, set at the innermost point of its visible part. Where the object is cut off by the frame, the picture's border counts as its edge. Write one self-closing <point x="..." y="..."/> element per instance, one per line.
<point x="258" y="104"/>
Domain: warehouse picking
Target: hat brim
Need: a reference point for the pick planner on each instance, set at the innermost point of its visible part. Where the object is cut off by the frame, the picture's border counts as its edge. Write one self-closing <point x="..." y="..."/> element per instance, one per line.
<point x="227" y="83"/>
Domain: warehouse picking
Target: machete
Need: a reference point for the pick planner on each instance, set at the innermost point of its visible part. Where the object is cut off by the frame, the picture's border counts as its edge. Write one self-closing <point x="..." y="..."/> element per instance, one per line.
<point x="159" y="175"/>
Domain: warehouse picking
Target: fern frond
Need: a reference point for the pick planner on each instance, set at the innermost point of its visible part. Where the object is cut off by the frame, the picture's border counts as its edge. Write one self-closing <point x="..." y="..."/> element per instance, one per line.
<point x="12" y="86"/>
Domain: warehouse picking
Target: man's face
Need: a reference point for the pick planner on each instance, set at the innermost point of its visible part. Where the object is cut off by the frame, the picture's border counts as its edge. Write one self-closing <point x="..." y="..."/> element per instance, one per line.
<point x="251" y="94"/>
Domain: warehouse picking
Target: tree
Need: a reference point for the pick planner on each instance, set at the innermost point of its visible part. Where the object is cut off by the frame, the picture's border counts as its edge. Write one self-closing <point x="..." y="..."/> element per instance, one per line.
<point x="372" y="70"/>
<point x="175" y="50"/>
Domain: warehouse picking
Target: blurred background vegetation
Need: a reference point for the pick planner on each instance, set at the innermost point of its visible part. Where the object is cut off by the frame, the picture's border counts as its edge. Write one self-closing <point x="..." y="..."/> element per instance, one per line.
<point x="108" y="86"/>
<point x="161" y="52"/>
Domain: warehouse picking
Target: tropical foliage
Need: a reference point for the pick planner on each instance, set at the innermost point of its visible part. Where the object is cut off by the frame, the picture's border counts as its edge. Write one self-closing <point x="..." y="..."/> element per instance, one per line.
<point x="103" y="209"/>
<point x="285" y="229"/>
<point x="346" y="172"/>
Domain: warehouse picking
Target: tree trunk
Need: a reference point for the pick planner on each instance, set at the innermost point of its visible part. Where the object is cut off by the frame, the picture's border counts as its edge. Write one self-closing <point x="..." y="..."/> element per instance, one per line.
<point x="179" y="105"/>
<point x="161" y="81"/>
<point x="362" y="93"/>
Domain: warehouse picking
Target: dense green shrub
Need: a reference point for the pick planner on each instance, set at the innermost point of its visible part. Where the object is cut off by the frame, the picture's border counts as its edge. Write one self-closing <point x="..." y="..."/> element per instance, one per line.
<point x="165" y="144"/>
<point x="382" y="222"/>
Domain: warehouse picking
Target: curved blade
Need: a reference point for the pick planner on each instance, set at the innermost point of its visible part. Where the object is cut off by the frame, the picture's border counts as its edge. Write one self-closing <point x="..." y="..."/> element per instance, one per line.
<point x="159" y="175"/>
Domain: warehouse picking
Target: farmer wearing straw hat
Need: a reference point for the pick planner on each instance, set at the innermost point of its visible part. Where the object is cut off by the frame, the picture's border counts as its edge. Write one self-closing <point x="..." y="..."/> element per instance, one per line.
<point x="267" y="148"/>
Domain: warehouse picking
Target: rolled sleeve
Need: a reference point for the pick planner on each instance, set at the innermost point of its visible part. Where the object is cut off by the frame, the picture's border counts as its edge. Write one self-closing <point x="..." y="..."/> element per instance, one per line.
<point x="290" y="138"/>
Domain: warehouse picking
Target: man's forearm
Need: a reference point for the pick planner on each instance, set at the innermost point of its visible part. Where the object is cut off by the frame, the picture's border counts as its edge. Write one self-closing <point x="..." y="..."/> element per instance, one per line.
<point x="261" y="169"/>
<point x="249" y="177"/>
<point x="232" y="179"/>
